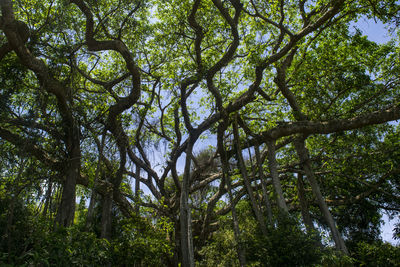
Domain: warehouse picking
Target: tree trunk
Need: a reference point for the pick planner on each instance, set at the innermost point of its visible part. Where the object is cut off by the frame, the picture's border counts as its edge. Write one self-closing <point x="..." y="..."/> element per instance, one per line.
<point x="185" y="218"/>
<point x="263" y="185"/>
<point x="273" y="168"/>
<point x="137" y="188"/>
<point x="177" y="247"/>
<point x="249" y="189"/>
<point x="48" y="197"/>
<point x="90" y="213"/>
<point x="210" y="210"/>
<point x="305" y="162"/>
<point x="66" y="210"/>
<point x="225" y="176"/>
<point x="254" y="172"/>
<point x="239" y="247"/>
<point x="305" y="212"/>
<point x="106" y="215"/>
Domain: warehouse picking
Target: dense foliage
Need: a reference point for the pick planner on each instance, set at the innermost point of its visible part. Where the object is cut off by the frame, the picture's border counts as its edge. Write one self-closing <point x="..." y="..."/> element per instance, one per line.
<point x="203" y="132"/>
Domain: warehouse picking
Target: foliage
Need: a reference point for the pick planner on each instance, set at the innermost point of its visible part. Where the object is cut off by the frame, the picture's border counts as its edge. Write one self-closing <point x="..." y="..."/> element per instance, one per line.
<point x="67" y="247"/>
<point x="285" y="245"/>
<point x="331" y="258"/>
<point x="34" y="243"/>
<point x="220" y="250"/>
<point x="140" y="243"/>
<point x="205" y="130"/>
<point x="377" y="254"/>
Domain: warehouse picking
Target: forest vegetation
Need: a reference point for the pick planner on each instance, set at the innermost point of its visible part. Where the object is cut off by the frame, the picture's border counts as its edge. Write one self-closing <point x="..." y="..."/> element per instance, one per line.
<point x="198" y="133"/>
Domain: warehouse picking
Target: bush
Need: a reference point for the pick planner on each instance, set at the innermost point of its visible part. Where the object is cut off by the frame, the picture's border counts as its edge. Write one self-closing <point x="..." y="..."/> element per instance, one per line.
<point x="285" y="245"/>
<point x="333" y="258"/>
<point x="377" y="254"/>
<point x="69" y="247"/>
<point x="221" y="251"/>
<point x="34" y="243"/>
<point x="141" y="243"/>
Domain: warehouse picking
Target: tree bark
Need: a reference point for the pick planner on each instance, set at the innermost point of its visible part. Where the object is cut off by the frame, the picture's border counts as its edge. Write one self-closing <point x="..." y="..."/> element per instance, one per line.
<point x="225" y="176"/>
<point x="48" y="197"/>
<point x="254" y="171"/>
<point x="305" y="212"/>
<point x="93" y="198"/>
<point x="137" y="188"/>
<point x="306" y="165"/>
<point x="66" y="210"/>
<point x="177" y="248"/>
<point x="106" y="215"/>
<point x="246" y="180"/>
<point x="267" y="203"/>
<point x="210" y="210"/>
<point x="331" y="126"/>
<point x="185" y="218"/>
<point x="273" y="168"/>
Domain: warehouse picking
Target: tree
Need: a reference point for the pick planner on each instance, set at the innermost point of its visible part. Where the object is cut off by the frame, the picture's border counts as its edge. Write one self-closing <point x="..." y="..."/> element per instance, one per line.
<point x="102" y="98"/>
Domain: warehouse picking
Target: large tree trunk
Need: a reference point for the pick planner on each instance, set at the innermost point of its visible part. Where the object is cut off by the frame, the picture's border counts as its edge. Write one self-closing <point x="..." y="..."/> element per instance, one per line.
<point x="90" y="212"/>
<point x="66" y="210"/>
<point x="267" y="203"/>
<point x="185" y="218"/>
<point x="305" y="162"/>
<point x="305" y="212"/>
<point x="247" y="183"/>
<point x="210" y="210"/>
<point x="106" y="215"/>
<point x="254" y="173"/>
<point x="239" y="247"/>
<point x="225" y="176"/>
<point x="47" y="200"/>
<point x="273" y="168"/>
<point x="93" y="198"/>
<point x="177" y="247"/>
<point x="137" y="188"/>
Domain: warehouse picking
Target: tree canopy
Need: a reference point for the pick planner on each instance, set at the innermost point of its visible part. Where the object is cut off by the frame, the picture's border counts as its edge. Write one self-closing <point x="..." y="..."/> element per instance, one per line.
<point x="204" y="132"/>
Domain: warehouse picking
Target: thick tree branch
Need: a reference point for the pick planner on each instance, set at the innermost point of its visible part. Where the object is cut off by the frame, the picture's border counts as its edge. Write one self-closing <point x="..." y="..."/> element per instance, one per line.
<point x="331" y="126"/>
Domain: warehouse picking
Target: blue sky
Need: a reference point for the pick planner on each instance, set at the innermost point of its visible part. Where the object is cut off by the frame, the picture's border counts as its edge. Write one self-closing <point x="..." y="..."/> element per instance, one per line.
<point x="377" y="32"/>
